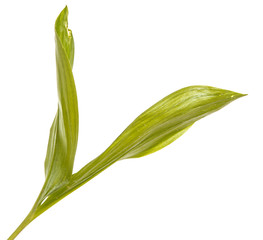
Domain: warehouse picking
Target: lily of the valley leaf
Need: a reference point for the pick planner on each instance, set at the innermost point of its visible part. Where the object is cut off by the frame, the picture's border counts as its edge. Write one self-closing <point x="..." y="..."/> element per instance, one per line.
<point x="159" y="126"/>
<point x="168" y="119"/>
<point x="64" y="131"/>
<point x="151" y="131"/>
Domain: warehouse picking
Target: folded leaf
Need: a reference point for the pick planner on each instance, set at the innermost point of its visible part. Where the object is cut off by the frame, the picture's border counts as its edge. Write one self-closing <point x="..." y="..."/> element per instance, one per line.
<point x="64" y="130"/>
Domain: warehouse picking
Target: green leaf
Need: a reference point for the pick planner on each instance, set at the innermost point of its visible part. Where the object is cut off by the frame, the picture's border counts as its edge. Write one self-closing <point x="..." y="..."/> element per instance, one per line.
<point x="168" y="119"/>
<point x="159" y="126"/>
<point x="171" y="117"/>
<point x="63" y="137"/>
<point x="154" y="129"/>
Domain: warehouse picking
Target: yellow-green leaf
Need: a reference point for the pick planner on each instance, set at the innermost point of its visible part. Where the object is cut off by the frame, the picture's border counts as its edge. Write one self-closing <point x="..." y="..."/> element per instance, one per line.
<point x="64" y="130"/>
<point x="168" y="119"/>
<point x="154" y="129"/>
<point x="160" y="125"/>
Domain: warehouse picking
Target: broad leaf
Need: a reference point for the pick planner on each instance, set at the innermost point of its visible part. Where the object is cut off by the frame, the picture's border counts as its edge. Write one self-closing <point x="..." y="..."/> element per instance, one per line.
<point x="64" y="130"/>
<point x="168" y="119"/>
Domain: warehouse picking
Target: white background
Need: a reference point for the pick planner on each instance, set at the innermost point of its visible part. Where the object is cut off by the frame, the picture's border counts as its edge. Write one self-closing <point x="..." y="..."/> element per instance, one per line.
<point x="130" y="54"/>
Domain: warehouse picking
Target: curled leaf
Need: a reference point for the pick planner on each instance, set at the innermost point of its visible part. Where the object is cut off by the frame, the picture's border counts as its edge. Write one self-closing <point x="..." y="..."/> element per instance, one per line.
<point x="64" y="130"/>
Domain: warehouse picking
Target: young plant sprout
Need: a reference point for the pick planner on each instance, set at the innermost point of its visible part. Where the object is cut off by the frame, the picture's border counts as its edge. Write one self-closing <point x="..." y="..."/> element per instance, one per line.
<point x="151" y="131"/>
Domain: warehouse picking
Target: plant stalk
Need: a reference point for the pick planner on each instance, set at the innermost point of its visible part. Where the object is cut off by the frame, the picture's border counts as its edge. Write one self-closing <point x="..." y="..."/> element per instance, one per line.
<point x="78" y="179"/>
<point x="29" y="218"/>
<point x="34" y="213"/>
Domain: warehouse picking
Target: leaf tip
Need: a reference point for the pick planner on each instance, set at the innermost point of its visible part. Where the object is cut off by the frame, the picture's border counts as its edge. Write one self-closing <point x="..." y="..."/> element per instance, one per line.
<point x="65" y="34"/>
<point x="62" y="18"/>
<point x="236" y="95"/>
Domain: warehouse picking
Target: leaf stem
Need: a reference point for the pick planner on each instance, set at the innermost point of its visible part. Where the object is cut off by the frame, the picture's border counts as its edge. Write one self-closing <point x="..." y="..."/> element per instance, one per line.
<point x="34" y="213"/>
<point x="29" y="218"/>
